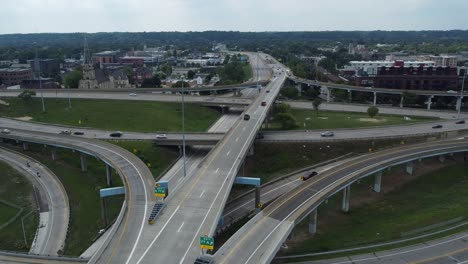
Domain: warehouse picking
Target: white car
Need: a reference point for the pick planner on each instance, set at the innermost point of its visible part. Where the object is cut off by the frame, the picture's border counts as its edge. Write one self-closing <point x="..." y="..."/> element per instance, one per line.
<point x="132" y="94"/>
<point x="161" y="136"/>
<point x="65" y="132"/>
<point x="327" y="134"/>
<point x="5" y="131"/>
<point x="452" y="91"/>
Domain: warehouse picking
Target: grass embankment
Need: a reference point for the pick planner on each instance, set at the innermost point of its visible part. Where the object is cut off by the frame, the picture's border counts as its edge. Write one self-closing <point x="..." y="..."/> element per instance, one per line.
<point x="17" y="190"/>
<point x="83" y="188"/>
<point x="334" y="120"/>
<point x="142" y="116"/>
<point x="438" y="195"/>
<point x="274" y="159"/>
<point x="159" y="158"/>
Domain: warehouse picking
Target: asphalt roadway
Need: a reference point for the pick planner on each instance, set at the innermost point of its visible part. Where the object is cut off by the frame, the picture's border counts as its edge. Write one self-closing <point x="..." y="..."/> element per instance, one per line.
<point x="448" y="250"/>
<point x="139" y="186"/>
<point x="54" y="209"/>
<point x="194" y="210"/>
<point x="260" y="238"/>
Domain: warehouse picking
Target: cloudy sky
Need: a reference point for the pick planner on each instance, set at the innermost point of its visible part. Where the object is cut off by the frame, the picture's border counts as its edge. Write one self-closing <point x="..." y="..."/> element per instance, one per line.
<point x="34" y="16"/>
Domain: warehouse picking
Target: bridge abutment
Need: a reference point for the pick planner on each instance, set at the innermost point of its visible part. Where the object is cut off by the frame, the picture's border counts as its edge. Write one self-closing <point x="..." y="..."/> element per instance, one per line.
<point x="313" y="222"/>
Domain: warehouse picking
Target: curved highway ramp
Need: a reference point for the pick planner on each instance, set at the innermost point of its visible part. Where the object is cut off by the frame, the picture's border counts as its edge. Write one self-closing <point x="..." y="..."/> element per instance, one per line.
<point x="260" y="239"/>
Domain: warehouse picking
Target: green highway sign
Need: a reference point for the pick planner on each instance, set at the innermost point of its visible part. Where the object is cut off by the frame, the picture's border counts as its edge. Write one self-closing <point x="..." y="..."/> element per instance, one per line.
<point x="160" y="192"/>
<point x="207" y="242"/>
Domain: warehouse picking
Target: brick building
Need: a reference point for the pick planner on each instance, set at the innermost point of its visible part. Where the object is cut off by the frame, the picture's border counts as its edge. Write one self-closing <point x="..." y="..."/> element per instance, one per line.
<point x="14" y="76"/>
<point x="416" y="78"/>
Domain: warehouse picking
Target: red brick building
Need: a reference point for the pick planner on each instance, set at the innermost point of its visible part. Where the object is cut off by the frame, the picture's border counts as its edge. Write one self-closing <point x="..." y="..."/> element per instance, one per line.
<point x="417" y="78"/>
<point x="13" y="76"/>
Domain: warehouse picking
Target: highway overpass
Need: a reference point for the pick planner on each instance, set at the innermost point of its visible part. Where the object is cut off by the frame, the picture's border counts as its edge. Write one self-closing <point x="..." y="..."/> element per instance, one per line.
<point x="260" y="238"/>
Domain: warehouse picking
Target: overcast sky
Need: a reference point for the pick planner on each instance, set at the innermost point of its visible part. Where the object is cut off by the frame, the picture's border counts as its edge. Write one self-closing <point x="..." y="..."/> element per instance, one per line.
<point x="34" y="16"/>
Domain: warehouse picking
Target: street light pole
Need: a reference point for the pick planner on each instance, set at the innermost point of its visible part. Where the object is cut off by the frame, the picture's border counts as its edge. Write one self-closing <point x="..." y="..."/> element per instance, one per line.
<point x="183" y="126"/>
<point x="461" y="94"/>
<point x="40" y="81"/>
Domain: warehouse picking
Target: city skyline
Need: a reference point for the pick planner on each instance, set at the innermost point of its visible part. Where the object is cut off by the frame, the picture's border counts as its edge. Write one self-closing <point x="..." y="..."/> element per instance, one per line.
<point x="36" y="16"/>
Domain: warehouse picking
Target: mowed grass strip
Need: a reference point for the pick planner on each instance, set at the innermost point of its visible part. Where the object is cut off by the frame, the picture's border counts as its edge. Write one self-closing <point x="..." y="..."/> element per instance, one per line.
<point x="436" y="197"/>
<point x="333" y="120"/>
<point x="18" y="190"/>
<point x="142" y="116"/>
<point x="156" y="158"/>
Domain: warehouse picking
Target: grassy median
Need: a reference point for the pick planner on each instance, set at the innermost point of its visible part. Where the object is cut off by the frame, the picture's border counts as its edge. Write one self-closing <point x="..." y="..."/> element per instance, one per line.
<point x="17" y="190"/>
<point x="142" y="116"/>
<point x="437" y="195"/>
<point x="308" y="119"/>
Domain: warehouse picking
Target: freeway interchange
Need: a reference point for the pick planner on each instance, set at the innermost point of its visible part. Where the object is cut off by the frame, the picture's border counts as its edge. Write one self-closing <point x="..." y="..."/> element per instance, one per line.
<point x="195" y="207"/>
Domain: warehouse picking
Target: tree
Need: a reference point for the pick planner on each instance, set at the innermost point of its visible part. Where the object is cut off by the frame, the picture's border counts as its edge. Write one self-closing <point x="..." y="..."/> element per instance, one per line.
<point x="287" y="120"/>
<point x="316" y="104"/>
<point x="27" y="95"/>
<point x="178" y="84"/>
<point x="151" y="82"/>
<point x="282" y="108"/>
<point x="190" y="74"/>
<point x="72" y="79"/>
<point x="372" y="111"/>
<point x="290" y="92"/>
<point x="166" y="68"/>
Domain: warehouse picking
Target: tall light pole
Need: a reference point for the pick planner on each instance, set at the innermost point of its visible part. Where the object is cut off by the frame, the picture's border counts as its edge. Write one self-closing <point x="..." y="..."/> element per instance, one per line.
<point x="183" y="126"/>
<point x="461" y="93"/>
<point x="38" y="65"/>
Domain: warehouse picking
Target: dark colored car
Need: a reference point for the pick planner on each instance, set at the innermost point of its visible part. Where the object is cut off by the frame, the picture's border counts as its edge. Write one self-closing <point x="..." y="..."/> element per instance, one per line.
<point x="263" y="104"/>
<point x="309" y="175"/>
<point x="260" y="136"/>
<point x="437" y="126"/>
<point x="267" y="91"/>
<point x="246" y="117"/>
<point x="78" y="133"/>
<point x="459" y="122"/>
<point x="116" y="134"/>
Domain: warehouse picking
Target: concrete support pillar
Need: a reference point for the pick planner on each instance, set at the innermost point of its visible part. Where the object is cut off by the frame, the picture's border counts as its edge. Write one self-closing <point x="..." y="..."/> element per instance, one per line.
<point x="313" y="222"/>
<point x="375" y="98"/>
<point x="258" y="203"/>
<point x="429" y="102"/>
<point x="25" y="146"/>
<point x="346" y="196"/>
<point x="328" y="94"/>
<point x="84" y="163"/>
<point x="401" y="101"/>
<point x="299" y="88"/>
<point x="53" y="153"/>
<point x="251" y="151"/>
<point x="458" y="105"/>
<point x="409" y="168"/>
<point x="378" y="182"/>
<point x="109" y="175"/>
<point x="442" y="158"/>
<point x="105" y="219"/>
<point x="350" y="96"/>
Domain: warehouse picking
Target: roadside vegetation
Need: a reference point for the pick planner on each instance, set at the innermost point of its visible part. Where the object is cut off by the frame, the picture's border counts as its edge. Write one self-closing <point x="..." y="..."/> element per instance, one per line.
<point x="142" y="116"/>
<point x="16" y="196"/>
<point x="438" y="194"/>
<point x="303" y="119"/>
<point x="236" y="69"/>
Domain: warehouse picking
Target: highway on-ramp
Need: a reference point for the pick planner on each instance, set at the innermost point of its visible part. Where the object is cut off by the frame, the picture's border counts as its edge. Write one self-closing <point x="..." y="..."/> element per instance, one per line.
<point x="260" y="239"/>
<point x="54" y="208"/>
<point x="138" y="182"/>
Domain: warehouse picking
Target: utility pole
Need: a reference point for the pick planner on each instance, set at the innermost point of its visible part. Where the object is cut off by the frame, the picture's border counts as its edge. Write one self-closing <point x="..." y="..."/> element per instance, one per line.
<point x="183" y="126"/>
